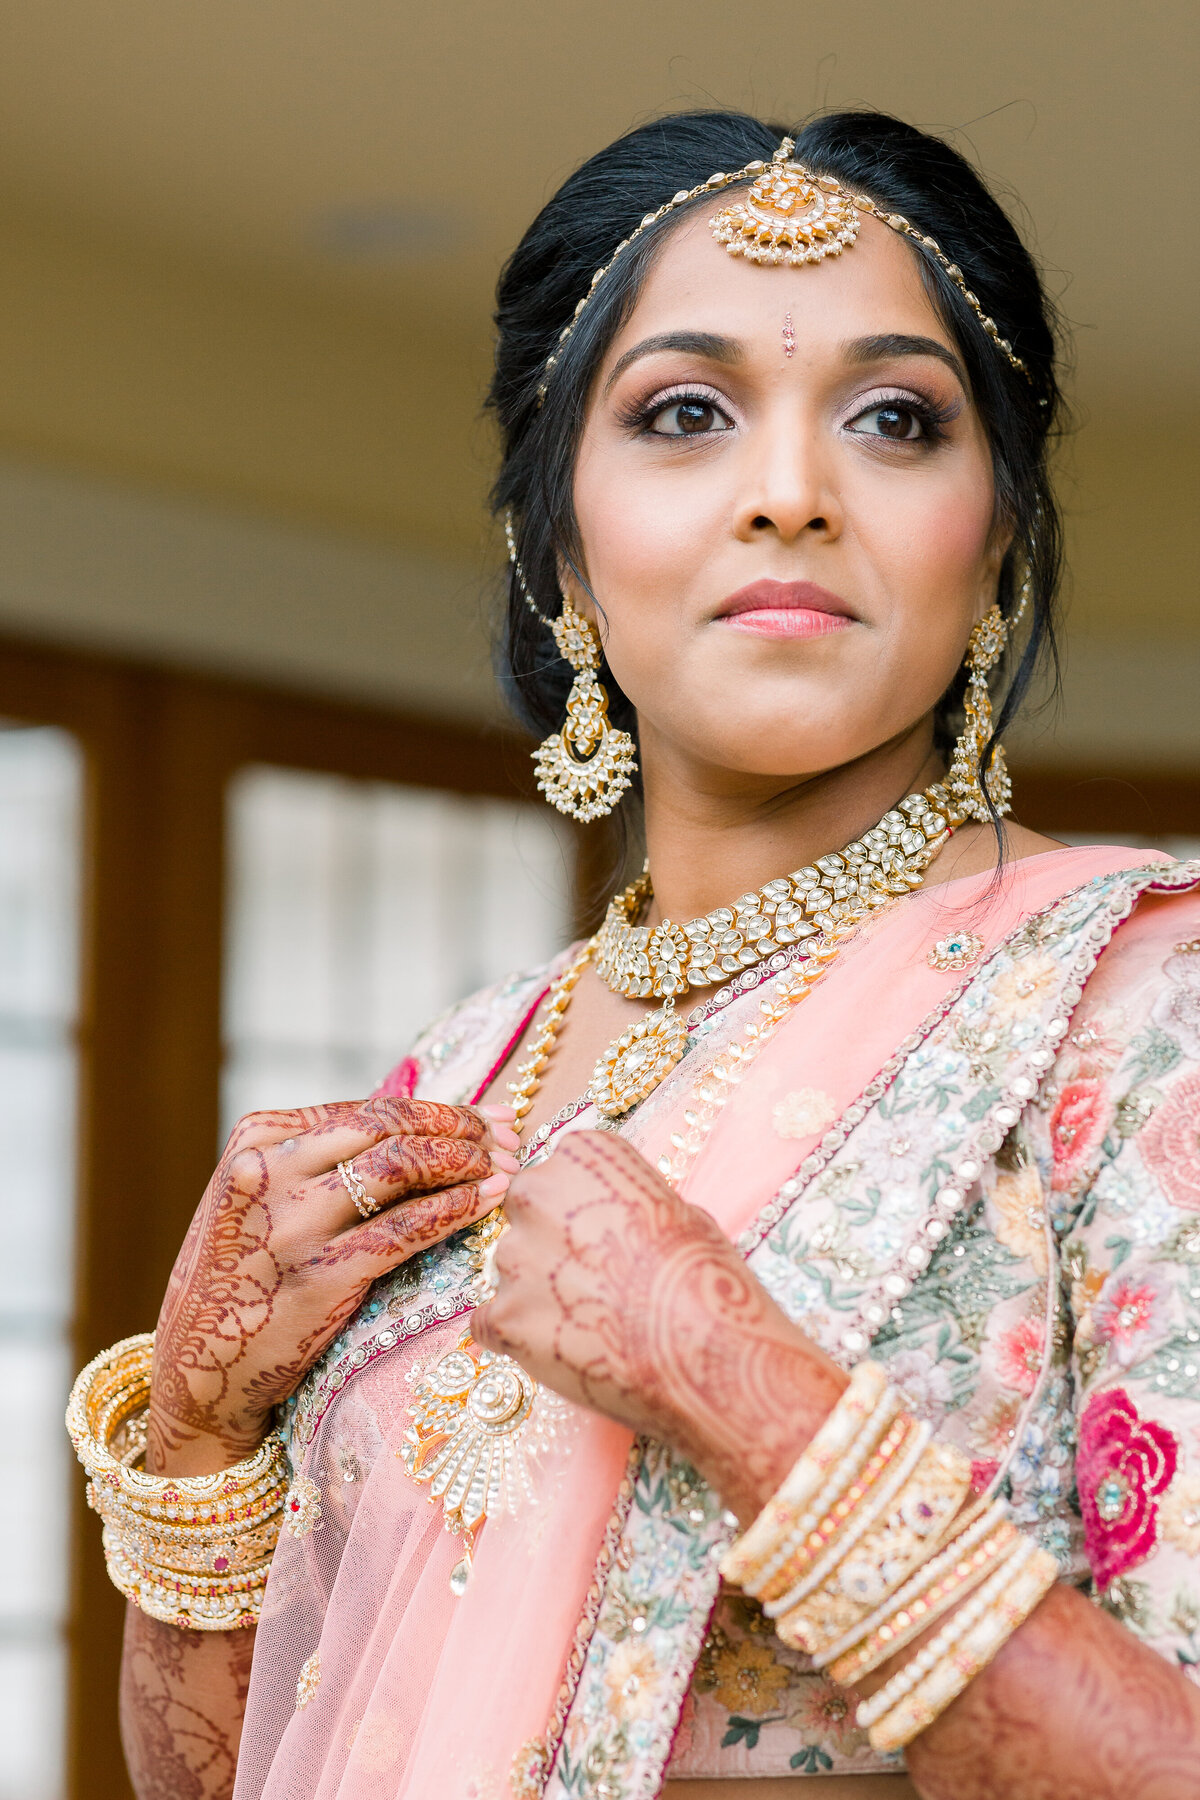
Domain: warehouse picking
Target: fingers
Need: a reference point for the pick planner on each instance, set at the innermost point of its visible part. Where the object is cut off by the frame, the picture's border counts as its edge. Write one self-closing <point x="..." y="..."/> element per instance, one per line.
<point x="399" y="1166"/>
<point x="391" y="1237"/>
<point x="342" y="1130"/>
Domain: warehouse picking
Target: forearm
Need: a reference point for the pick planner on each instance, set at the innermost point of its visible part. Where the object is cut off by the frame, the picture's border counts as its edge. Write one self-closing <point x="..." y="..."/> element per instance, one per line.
<point x="1073" y="1708"/>
<point x="183" y="1699"/>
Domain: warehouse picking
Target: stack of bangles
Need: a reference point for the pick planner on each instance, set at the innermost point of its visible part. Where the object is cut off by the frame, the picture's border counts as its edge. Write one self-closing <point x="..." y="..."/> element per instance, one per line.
<point x="191" y="1551"/>
<point x="870" y="1541"/>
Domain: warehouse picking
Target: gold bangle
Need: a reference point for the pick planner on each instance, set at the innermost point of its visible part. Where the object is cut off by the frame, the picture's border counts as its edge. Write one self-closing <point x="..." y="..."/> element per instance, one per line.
<point x="927" y="1598"/>
<point x="840" y="1516"/>
<point x="970" y="1655"/>
<point x="192" y="1551"/>
<point x="908" y="1530"/>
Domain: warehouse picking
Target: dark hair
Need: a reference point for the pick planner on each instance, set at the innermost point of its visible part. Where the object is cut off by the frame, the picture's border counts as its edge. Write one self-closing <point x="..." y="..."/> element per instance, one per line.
<point x="902" y="169"/>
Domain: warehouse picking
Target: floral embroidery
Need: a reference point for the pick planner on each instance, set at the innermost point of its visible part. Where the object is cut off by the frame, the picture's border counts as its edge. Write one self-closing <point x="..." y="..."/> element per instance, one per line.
<point x="633" y="1680"/>
<point x="1021" y="1217"/>
<point x="1124" y="1463"/>
<point x="825" y="1714"/>
<point x="1179" y="1516"/>
<point x="1077" y="1127"/>
<point x="1131" y="1312"/>
<point x="1170" y="1144"/>
<point x="803" y="1113"/>
<point x="748" y="1678"/>
<point x="926" y="1384"/>
<point x="984" y="1470"/>
<point x="309" y="1681"/>
<point x="958" y="951"/>
<point x="1018" y="1354"/>
<point x="1177" y="1009"/>
<point x="1022" y="988"/>
<point x="302" y="1507"/>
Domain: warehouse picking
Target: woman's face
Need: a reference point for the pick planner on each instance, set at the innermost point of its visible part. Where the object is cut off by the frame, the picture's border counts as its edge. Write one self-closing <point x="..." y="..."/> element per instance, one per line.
<point x="785" y="501"/>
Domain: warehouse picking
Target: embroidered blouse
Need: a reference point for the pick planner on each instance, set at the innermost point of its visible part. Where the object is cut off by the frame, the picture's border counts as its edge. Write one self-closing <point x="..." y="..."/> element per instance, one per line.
<point x="1010" y="1216"/>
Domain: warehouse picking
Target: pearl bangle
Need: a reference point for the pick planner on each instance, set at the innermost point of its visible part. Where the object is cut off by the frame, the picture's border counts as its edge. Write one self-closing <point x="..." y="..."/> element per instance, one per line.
<point x="931" y="1654"/>
<point x="974" y="1649"/>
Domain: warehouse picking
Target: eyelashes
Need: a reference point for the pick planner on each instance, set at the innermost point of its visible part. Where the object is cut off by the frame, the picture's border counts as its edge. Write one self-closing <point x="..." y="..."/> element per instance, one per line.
<point x="639" y="415"/>
<point x="702" y="412"/>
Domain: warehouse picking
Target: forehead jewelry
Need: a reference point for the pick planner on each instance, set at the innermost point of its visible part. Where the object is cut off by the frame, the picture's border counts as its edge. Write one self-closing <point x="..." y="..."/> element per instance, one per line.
<point x="790" y="215"/>
<point x="789" y="336"/>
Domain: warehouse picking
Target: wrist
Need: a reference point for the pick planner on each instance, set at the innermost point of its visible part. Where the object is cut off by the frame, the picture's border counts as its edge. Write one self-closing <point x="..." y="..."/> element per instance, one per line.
<point x="174" y="1448"/>
<point x="746" y="1449"/>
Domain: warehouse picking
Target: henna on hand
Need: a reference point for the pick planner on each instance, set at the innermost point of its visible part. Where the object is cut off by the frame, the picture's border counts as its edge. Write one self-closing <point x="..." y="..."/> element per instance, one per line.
<point x="277" y="1259"/>
<point x="183" y="1699"/>
<point x="636" y="1303"/>
<point x="1073" y="1708"/>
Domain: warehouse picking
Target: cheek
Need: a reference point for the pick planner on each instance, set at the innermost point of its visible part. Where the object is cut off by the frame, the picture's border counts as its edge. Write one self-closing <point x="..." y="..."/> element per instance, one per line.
<point x="644" y="540"/>
<point x="933" y="545"/>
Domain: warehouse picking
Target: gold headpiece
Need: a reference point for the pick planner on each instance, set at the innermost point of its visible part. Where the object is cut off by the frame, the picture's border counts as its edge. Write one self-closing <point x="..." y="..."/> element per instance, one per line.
<point x="792" y="216"/>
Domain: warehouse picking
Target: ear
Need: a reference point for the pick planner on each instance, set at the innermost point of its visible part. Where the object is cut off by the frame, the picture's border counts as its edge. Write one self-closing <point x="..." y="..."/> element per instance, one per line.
<point x="998" y="546"/>
<point x="573" y="589"/>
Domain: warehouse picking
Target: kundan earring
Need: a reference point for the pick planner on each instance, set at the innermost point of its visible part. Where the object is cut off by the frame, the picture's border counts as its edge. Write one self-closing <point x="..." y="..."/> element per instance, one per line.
<point x="985" y="647"/>
<point x="585" y="768"/>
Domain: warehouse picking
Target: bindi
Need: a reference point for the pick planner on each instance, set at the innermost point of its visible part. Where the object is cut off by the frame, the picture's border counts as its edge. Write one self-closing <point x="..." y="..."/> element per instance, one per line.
<point x="789" y="336"/>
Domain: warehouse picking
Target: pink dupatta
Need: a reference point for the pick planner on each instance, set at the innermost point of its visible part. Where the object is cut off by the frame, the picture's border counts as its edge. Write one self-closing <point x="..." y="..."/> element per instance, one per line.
<point x="371" y="1682"/>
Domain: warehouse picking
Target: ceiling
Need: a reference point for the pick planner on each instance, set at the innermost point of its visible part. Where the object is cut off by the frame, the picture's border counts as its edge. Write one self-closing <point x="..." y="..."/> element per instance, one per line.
<point x="247" y="251"/>
<point x="392" y="153"/>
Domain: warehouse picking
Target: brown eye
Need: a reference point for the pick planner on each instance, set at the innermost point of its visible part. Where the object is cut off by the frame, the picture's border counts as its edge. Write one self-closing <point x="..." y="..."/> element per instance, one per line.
<point x="902" y="424"/>
<point x="689" y="418"/>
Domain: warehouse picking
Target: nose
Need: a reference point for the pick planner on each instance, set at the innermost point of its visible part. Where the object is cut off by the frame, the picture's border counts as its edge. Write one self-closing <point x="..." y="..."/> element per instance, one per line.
<point x="789" y="487"/>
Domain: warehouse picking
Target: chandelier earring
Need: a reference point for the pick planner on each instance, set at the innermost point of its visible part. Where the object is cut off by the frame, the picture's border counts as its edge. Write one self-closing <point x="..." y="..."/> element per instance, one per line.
<point x="985" y="647"/>
<point x="584" y="769"/>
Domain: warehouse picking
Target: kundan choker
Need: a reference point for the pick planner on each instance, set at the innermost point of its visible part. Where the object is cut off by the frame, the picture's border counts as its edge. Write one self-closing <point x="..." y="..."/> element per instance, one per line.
<point x="666" y="959"/>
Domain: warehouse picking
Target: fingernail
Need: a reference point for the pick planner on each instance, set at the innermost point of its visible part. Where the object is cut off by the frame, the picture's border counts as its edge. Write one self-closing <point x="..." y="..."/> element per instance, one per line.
<point x="507" y="1140"/>
<point x="507" y="1113"/>
<point x="494" y="1186"/>
<point x="504" y="1159"/>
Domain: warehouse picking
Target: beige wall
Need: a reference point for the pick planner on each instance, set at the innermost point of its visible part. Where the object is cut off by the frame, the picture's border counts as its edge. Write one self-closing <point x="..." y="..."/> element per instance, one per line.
<point x="220" y="448"/>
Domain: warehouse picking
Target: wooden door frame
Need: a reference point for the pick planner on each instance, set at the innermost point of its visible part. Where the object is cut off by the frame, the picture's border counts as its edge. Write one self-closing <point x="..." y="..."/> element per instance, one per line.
<point x="160" y="747"/>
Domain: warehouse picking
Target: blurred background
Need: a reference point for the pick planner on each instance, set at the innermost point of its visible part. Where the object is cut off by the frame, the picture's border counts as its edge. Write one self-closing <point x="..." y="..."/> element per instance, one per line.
<point x="260" y="814"/>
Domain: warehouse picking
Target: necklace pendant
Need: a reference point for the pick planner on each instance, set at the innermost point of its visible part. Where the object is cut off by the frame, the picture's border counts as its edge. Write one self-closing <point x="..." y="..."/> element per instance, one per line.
<point x="633" y="1066"/>
<point x="478" y="1422"/>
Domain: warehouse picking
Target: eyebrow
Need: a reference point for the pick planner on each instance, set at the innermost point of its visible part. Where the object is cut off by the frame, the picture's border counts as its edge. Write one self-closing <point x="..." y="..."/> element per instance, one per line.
<point x="897" y="343"/>
<point x="708" y="344"/>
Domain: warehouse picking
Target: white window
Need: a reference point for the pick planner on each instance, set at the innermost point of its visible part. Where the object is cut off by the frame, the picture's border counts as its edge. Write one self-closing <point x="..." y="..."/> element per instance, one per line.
<point x="358" y="911"/>
<point x="40" y="804"/>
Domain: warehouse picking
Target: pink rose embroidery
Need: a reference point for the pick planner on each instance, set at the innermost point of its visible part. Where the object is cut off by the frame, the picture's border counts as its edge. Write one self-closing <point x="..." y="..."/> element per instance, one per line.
<point x="1130" y="1313"/>
<point x="1019" y="1355"/>
<point x="1170" y="1144"/>
<point x="984" y="1470"/>
<point x="1123" y="1463"/>
<point x="402" y="1080"/>
<point x="1077" y="1126"/>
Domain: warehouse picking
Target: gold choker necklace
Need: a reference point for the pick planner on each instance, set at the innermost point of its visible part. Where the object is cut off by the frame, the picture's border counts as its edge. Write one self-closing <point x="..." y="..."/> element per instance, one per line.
<point x="665" y="960"/>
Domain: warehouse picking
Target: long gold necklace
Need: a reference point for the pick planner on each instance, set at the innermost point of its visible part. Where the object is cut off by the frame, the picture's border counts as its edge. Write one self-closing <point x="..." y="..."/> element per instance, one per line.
<point x="479" y="1422"/>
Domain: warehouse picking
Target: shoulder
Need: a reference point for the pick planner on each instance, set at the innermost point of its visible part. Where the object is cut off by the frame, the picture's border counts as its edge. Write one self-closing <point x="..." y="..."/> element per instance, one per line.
<point x="1154" y="949"/>
<point x="454" y="1054"/>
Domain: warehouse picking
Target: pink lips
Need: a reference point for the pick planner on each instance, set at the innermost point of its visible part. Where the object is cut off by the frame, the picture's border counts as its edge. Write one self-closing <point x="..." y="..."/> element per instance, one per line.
<point x="793" y="609"/>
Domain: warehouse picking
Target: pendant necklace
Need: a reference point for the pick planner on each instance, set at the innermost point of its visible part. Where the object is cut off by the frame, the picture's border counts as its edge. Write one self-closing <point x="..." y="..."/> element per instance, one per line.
<point x="478" y="1422"/>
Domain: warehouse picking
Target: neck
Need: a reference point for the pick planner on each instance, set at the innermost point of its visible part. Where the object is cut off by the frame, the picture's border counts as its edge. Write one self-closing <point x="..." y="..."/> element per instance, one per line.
<point x="711" y="837"/>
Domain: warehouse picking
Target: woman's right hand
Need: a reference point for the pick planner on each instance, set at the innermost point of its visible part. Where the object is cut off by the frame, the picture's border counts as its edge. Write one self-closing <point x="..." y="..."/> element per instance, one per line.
<point x="277" y="1257"/>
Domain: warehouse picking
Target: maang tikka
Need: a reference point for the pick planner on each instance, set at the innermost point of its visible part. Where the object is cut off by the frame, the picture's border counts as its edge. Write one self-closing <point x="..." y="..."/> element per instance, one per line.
<point x="584" y="769"/>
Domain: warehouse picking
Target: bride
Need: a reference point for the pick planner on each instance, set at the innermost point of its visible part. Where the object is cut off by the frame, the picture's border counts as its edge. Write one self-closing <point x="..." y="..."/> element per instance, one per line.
<point x="757" y="1353"/>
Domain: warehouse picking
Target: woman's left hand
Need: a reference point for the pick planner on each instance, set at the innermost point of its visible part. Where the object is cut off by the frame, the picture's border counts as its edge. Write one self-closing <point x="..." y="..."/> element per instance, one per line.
<point x="620" y="1295"/>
